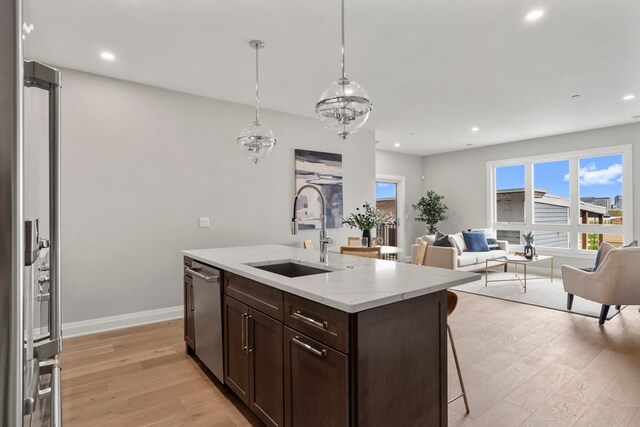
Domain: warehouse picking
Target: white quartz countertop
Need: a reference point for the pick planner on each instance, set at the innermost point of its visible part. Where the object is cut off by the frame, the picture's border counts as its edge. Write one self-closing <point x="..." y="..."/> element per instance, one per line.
<point x="356" y="284"/>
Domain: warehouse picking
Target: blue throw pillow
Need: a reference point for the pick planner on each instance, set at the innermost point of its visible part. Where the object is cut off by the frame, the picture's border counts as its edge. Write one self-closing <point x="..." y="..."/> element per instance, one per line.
<point x="475" y="241"/>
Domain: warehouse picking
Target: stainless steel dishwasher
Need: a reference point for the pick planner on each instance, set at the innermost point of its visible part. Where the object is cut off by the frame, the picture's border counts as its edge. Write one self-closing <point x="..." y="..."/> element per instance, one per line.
<point x="207" y="307"/>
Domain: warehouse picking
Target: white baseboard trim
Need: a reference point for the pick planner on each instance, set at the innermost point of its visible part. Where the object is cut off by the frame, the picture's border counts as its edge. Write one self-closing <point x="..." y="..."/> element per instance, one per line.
<point x="103" y="324"/>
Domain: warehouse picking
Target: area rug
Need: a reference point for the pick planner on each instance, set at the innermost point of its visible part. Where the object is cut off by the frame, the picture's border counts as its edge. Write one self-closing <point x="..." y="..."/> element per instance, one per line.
<point x="540" y="292"/>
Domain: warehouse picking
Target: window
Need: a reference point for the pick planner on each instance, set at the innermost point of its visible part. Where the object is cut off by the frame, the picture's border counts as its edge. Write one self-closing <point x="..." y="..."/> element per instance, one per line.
<point x="551" y="192"/>
<point x="510" y="194"/>
<point x="572" y="201"/>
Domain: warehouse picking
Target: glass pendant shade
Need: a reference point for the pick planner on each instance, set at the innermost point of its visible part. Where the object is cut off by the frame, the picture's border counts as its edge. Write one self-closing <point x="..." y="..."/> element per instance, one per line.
<point x="256" y="140"/>
<point x="343" y="107"/>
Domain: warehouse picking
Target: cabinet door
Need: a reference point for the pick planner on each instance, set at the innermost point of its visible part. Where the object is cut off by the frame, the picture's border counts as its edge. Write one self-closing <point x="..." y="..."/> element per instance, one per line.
<point x="236" y="361"/>
<point x="265" y="361"/>
<point x="189" y="326"/>
<point x="316" y="383"/>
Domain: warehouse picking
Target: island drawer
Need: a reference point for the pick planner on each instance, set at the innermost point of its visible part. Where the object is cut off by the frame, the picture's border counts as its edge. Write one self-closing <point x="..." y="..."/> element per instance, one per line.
<point x="325" y="324"/>
<point x="261" y="297"/>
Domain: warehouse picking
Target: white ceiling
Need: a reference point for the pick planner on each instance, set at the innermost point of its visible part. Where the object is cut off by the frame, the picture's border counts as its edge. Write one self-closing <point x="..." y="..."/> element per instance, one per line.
<point x="433" y="69"/>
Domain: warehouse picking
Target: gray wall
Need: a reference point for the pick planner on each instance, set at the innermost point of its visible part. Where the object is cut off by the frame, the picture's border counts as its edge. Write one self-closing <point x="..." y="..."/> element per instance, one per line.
<point x="461" y="176"/>
<point x="410" y="167"/>
<point x="140" y="165"/>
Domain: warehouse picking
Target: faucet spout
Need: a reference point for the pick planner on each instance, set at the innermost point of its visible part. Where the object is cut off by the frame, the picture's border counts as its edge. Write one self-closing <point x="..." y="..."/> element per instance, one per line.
<point x="325" y="240"/>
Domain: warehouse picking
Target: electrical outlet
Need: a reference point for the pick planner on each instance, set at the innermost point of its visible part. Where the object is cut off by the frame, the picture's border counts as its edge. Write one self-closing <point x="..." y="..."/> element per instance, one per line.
<point x="204" y="222"/>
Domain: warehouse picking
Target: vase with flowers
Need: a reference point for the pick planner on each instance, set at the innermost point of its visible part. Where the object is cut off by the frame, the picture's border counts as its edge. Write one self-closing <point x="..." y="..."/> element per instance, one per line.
<point x="366" y="219"/>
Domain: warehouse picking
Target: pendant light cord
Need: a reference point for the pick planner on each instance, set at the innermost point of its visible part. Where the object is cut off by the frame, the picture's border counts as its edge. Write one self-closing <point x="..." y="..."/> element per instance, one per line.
<point x="343" y="73"/>
<point x="257" y="88"/>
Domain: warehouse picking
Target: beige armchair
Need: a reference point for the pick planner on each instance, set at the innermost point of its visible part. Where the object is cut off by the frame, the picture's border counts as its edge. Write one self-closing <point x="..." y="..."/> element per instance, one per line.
<point x="615" y="282"/>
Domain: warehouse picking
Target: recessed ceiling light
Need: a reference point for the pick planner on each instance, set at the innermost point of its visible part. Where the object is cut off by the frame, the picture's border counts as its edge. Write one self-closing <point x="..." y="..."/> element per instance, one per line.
<point x="628" y="97"/>
<point x="108" y="56"/>
<point x="475" y="129"/>
<point x="397" y="144"/>
<point x="534" y="15"/>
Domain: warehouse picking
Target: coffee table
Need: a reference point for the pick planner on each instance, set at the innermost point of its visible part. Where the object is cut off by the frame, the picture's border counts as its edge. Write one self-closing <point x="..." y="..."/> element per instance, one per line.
<point x="516" y="260"/>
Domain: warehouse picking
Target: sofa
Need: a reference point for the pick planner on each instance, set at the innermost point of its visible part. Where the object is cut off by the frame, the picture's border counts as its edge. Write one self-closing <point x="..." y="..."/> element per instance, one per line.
<point x="449" y="257"/>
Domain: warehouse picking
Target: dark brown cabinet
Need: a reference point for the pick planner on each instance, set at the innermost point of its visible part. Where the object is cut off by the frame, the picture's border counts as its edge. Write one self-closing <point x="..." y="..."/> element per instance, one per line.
<point x="299" y="363"/>
<point x="316" y="381"/>
<point x="189" y="324"/>
<point x="253" y="360"/>
<point x="265" y="368"/>
<point x="236" y="357"/>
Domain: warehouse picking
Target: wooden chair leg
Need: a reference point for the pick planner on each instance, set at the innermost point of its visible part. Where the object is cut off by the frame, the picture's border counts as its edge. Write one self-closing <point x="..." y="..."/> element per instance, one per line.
<point x="569" y="301"/>
<point x="603" y="314"/>
<point x="455" y="358"/>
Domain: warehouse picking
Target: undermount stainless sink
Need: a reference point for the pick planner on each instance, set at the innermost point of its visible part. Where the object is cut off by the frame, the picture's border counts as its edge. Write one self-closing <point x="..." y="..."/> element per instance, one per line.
<point x="290" y="269"/>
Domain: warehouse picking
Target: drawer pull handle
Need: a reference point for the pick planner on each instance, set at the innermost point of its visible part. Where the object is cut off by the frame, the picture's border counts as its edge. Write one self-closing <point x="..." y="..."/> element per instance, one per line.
<point x="245" y="332"/>
<point x="214" y="278"/>
<point x="322" y="325"/>
<point x="321" y="353"/>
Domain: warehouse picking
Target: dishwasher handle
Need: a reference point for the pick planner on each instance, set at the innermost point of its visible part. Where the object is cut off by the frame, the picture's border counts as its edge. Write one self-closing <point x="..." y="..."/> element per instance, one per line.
<point x="214" y="278"/>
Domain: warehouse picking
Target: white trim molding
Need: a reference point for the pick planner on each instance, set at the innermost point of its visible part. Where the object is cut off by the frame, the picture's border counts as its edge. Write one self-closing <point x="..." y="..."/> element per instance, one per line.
<point x="104" y="324"/>
<point x="573" y="227"/>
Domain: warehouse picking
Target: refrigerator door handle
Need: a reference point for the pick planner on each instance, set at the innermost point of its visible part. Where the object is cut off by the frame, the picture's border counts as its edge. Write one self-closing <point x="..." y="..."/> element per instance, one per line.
<point x="55" y="315"/>
<point x="56" y="407"/>
<point x="31" y="394"/>
<point x="48" y="78"/>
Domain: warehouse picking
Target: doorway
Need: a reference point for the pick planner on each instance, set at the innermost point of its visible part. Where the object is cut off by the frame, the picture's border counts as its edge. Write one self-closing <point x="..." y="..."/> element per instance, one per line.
<point x="390" y="199"/>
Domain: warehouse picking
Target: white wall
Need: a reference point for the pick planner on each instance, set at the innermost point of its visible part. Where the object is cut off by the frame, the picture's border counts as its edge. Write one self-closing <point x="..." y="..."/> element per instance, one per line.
<point x="461" y="176"/>
<point x="140" y="165"/>
<point x="411" y="168"/>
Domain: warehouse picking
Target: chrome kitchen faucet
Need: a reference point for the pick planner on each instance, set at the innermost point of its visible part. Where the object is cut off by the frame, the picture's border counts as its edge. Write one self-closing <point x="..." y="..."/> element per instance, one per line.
<point x="325" y="240"/>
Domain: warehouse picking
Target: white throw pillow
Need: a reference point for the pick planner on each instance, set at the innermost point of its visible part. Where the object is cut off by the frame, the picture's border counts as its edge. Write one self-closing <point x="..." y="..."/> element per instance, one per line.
<point x="488" y="233"/>
<point x="459" y="239"/>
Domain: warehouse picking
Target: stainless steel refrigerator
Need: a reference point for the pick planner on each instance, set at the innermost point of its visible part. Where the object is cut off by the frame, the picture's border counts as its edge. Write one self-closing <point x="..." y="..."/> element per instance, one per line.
<point x="30" y="309"/>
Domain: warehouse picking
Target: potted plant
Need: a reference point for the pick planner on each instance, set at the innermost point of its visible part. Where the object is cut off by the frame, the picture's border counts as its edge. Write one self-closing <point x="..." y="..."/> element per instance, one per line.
<point x="367" y="219"/>
<point x="431" y="210"/>
<point x="529" y="248"/>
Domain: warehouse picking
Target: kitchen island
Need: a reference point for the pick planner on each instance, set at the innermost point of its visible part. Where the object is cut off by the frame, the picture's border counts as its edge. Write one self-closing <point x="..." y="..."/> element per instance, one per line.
<point x="355" y="342"/>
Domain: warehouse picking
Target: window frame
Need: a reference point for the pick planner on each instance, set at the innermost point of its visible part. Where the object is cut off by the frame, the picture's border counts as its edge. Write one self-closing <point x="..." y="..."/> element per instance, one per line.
<point x="574" y="228"/>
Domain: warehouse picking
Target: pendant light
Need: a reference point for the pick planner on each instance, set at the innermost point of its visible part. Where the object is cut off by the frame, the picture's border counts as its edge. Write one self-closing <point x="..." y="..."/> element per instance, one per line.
<point x="256" y="139"/>
<point x="344" y="106"/>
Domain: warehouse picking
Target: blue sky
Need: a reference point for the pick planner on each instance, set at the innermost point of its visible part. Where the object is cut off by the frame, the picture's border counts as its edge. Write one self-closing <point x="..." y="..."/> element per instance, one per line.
<point x="385" y="190"/>
<point x="599" y="177"/>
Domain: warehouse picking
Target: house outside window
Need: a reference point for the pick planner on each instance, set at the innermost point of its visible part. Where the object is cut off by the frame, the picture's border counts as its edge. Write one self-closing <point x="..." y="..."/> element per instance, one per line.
<point x="571" y="201"/>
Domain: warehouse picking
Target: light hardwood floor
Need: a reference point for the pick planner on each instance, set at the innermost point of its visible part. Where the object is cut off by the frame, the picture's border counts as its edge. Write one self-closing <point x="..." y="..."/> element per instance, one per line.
<point x="531" y="366"/>
<point x="142" y="377"/>
<point x="522" y="365"/>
